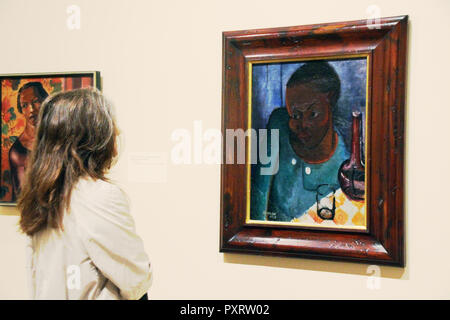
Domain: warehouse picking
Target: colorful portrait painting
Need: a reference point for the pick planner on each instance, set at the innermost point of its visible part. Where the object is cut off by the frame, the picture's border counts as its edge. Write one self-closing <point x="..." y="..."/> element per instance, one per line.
<point x="318" y="109"/>
<point x="21" y="98"/>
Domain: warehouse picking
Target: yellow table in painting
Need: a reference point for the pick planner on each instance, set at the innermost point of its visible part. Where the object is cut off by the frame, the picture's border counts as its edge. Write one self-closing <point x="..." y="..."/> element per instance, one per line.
<point x="348" y="214"/>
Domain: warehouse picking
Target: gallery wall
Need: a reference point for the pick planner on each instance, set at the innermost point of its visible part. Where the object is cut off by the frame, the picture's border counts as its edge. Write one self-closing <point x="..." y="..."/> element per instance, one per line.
<point x="160" y="63"/>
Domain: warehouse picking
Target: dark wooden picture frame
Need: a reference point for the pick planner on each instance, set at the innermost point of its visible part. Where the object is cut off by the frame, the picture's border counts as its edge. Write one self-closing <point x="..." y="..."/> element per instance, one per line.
<point x="50" y="82"/>
<point x="385" y="43"/>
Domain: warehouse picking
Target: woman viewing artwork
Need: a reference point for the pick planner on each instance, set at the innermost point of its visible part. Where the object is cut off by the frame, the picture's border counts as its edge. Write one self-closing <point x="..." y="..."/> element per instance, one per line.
<point x="83" y="243"/>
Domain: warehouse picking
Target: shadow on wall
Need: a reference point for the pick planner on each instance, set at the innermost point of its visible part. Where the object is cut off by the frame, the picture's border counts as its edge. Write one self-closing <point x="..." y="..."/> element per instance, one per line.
<point x="316" y="265"/>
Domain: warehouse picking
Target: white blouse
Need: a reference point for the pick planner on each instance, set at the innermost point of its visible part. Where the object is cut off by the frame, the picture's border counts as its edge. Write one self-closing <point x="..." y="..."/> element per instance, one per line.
<point x="97" y="255"/>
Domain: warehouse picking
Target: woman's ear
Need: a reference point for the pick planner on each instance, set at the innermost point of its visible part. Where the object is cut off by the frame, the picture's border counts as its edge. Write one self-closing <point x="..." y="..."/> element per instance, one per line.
<point x="330" y="96"/>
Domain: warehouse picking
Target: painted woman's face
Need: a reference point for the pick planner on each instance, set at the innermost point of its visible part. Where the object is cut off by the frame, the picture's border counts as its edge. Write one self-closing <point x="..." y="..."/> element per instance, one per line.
<point x="30" y="104"/>
<point x="310" y="114"/>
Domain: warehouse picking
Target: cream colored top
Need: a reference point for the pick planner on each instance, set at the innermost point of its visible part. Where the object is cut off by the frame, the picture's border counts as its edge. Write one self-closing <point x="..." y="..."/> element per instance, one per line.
<point x="98" y="255"/>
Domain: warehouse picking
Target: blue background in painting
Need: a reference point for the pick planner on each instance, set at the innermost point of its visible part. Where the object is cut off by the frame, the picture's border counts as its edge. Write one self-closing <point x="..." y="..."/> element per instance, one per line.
<point x="269" y="92"/>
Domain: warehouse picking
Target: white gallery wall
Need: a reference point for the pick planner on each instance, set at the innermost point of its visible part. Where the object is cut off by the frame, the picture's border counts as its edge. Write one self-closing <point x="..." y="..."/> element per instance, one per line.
<point x="160" y="63"/>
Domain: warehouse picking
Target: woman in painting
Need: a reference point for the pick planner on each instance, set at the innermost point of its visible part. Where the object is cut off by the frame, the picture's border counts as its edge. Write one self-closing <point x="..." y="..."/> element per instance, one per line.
<point x="83" y="243"/>
<point x="310" y="149"/>
<point x="29" y="100"/>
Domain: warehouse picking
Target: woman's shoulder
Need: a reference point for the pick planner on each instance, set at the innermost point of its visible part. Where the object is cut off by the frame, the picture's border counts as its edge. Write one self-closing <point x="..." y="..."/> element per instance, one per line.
<point x="98" y="200"/>
<point x="101" y="191"/>
<point x="97" y="184"/>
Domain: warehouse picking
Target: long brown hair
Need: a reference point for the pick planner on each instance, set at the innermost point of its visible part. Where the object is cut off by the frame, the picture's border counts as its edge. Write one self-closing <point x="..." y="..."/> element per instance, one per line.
<point x="76" y="137"/>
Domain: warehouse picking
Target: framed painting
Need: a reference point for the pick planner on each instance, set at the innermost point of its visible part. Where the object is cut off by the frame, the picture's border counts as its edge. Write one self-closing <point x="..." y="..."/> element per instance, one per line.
<point x="313" y="126"/>
<point x="21" y="97"/>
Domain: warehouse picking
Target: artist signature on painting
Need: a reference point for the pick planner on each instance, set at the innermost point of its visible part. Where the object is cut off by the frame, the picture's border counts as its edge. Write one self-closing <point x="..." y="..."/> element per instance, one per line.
<point x="270" y="215"/>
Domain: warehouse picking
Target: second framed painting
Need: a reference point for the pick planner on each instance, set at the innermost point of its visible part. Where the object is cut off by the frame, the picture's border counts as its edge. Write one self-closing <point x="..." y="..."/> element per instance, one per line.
<point x="317" y="113"/>
<point x="21" y="97"/>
